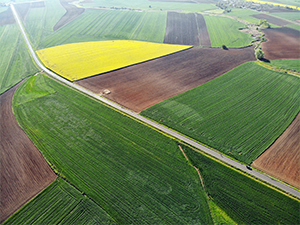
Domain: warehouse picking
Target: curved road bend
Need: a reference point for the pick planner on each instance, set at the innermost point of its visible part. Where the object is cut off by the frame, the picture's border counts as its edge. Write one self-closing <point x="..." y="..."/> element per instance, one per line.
<point x="219" y="156"/>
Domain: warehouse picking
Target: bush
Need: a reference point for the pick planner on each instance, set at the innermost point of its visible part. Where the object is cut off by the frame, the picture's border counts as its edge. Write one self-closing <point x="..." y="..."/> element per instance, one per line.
<point x="259" y="54"/>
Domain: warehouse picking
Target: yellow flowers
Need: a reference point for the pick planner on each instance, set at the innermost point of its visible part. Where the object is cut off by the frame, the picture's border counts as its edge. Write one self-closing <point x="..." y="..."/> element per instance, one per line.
<point x="272" y="3"/>
<point x="80" y="60"/>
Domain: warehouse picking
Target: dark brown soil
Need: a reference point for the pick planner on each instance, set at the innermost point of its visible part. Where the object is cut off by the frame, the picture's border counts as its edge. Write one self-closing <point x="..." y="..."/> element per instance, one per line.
<point x="72" y="13"/>
<point x="23" y="170"/>
<point x="282" y="159"/>
<point x="140" y="86"/>
<point x="181" y="29"/>
<point x="283" y="43"/>
<point x="186" y="29"/>
<point x="203" y="32"/>
<point x="271" y="19"/>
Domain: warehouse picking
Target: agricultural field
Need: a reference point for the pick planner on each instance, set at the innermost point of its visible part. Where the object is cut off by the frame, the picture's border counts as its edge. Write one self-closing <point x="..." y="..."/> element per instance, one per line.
<point x="244" y="200"/>
<point x="16" y="62"/>
<point x="72" y="13"/>
<point x="140" y="86"/>
<point x="146" y="5"/>
<point x="294" y="4"/>
<point x="245" y="14"/>
<point x="289" y="64"/>
<point x="39" y="22"/>
<point x="272" y="19"/>
<point x="23" y="170"/>
<point x="281" y="160"/>
<point x="225" y="31"/>
<point x="60" y="203"/>
<point x="97" y="25"/>
<point x="133" y="172"/>
<point x="186" y="29"/>
<point x="283" y="43"/>
<point x="288" y="16"/>
<point x="235" y="112"/>
<point x="293" y="26"/>
<point x="91" y="58"/>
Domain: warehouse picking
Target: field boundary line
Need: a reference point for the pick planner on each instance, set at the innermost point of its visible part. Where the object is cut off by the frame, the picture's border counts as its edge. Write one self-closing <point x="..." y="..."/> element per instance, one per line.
<point x="274" y="68"/>
<point x="163" y="129"/>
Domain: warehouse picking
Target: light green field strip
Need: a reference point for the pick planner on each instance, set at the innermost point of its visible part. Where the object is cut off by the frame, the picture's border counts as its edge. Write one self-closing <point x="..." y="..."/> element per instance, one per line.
<point x="289" y="64"/>
<point x="134" y="173"/>
<point x="95" y="25"/>
<point x="60" y="203"/>
<point x="225" y="31"/>
<point x="288" y="15"/>
<point x="84" y="59"/>
<point x="294" y="26"/>
<point x="16" y="63"/>
<point x="240" y="113"/>
<point x="148" y="5"/>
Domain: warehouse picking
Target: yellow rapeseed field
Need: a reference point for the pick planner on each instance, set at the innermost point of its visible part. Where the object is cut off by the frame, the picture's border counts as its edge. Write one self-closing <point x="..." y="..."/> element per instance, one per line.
<point x="80" y="60"/>
<point x="273" y="3"/>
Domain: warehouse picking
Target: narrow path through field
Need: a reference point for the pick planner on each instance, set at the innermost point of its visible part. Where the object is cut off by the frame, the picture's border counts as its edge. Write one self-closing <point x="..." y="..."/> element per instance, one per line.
<point x="153" y="124"/>
<point x="23" y="170"/>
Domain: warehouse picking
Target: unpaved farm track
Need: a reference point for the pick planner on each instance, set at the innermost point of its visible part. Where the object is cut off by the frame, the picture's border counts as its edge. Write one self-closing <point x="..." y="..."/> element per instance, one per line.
<point x="141" y="86"/>
<point x="282" y="159"/>
<point x="282" y="43"/>
<point x="24" y="171"/>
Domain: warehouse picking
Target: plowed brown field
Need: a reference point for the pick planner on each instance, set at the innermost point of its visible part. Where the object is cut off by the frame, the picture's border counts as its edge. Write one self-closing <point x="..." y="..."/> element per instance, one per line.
<point x="185" y="29"/>
<point x="271" y="19"/>
<point x="140" y="86"/>
<point x="282" y="43"/>
<point x="24" y="171"/>
<point x="72" y="13"/>
<point x="282" y="159"/>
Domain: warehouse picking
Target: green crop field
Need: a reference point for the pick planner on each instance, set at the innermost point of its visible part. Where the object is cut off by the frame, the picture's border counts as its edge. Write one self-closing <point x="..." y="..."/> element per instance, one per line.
<point x="133" y="172"/>
<point x="245" y="200"/>
<point x="150" y="5"/>
<point x="95" y="25"/>
<point x="39" y="22"/>
<point x="16" y="63"/>
<point x="288" y="15"/>
<point x="240" y="113"/>
<point x="245" y="14"/>
<point x="294" y="26"/>
<point x="225" y="31"/>
<point x="60" y="203"/>
<point x="292" y="64"/>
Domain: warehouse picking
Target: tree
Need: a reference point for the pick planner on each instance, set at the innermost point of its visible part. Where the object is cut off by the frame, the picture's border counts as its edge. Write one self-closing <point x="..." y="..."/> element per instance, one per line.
<point x="259" y="54"/>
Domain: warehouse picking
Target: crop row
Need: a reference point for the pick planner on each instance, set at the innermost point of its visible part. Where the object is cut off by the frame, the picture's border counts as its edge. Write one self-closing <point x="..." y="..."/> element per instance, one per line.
<point x="60" y="203"/>
<point x="134" y="173"/>
<point x="240" y="113"/>
<point x="242" y="198"/>
<point x="15" y="63"/>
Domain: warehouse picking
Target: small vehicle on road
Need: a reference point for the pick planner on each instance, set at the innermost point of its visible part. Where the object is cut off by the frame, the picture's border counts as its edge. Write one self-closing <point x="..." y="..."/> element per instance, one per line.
<point x="249" y="167"/>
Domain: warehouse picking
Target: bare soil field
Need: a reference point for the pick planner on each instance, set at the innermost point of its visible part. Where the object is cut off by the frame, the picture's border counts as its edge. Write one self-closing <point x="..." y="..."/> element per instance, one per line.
<point x="271" y="19"/>
<point x="282" y="159"/>
<point x="185" y="29"/>
<point x="282" y="43"/>
<point x="203" y="32"/>
<point x="23" y="170"/>
<point x="141" y="86"/>
<point x="72" y="13"/>
<point x="181" y="29"/>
